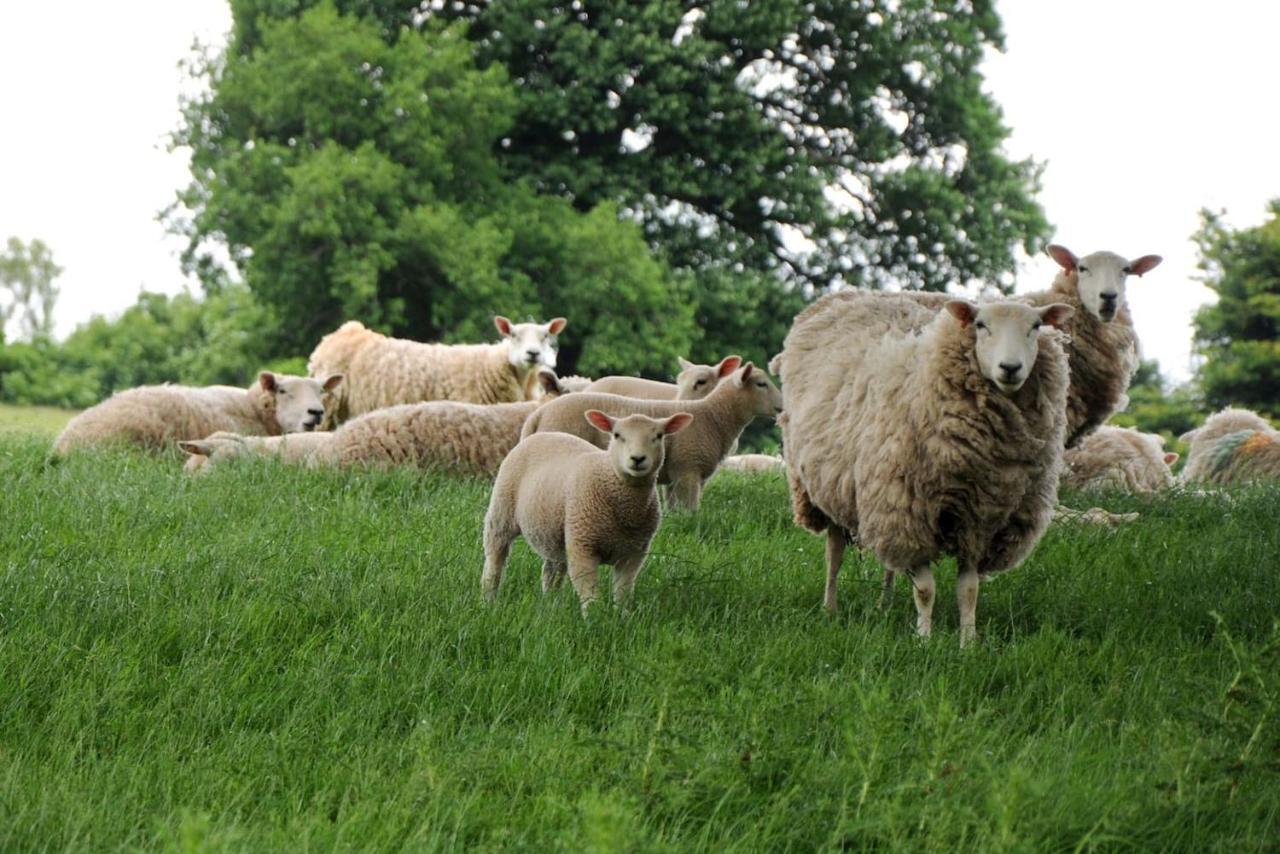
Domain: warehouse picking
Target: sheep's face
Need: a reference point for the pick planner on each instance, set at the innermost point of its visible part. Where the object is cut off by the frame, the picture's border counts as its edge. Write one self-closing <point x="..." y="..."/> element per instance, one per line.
<point x="695" y="382"/>
<point x="765" y="397"/>
<point x="1007" y="337"/>
<point x="1101" y="276"/>
<point x="636" y="448"/>
<point x="530" y="344"/>
<point x="299" y="401"/>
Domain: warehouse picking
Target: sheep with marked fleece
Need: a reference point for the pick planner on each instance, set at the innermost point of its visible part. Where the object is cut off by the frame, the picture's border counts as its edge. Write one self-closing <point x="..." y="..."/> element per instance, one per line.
<point x="1232" y="446"/>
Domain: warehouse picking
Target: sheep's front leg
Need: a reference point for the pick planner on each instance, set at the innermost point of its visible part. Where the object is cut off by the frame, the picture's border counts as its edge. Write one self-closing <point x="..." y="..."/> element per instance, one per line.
<point x="836" y="539"/>
<point x="886" y="589"/>
<point x="922" y="582"/>
<point x="584" y="575"/>
<point x="552" y="575"/>
<point x="625" y="571"/>
<point x="967" y="596"/>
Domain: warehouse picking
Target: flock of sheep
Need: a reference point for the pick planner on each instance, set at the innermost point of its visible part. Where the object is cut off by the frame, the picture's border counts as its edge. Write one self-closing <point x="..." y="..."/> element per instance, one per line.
<point x="914" y="425"/>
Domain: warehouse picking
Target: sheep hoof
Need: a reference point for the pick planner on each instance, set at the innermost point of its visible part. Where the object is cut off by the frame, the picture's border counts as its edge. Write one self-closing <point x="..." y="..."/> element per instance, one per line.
<point x="968" y="634"/>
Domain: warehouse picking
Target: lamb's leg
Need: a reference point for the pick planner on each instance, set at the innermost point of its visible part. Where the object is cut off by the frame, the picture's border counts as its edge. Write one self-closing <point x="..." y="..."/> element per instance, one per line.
<point x="552" y="575"/>
<point x="886" y="589"/>
<point x="686" y="492"/>
<point x="625" y="571"/>
<point x="499" y="534"/>
<point x="836" y="539"/>
<point x="922" y="581"/>
<point x="584" y="575"/>
<point x="967" y="596"/>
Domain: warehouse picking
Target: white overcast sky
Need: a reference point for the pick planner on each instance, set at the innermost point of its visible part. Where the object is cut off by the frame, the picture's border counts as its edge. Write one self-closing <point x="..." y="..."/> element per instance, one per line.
<point x="1145" y="111"/>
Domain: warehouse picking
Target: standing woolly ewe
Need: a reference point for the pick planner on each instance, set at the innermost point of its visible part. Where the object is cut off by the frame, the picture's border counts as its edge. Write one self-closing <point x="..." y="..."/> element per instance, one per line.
<point x="916" y="444"/>
<point x="1233" y="446"/>
<point x="155" y="416"/>
<point x="694" y="382"/>
<point x="383" y="371"/>
<point x="1119" y="458"/>
<point x="578" y="506"/>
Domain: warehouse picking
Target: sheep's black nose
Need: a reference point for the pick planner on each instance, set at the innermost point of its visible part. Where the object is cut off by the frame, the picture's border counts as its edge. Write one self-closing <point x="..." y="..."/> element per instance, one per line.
<point x="533" y="354"/>
<point x="1109" y="297"/>
<point x="636" y="462"/>
<point x="1011" y="368"/>
<point x="316" y="412"/>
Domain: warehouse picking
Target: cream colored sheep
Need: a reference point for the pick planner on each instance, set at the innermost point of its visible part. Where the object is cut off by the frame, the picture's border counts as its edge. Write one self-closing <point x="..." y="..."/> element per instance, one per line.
<point x="384" y="371"/>
<point x="1232" y="446"/>
<point x="694" y="454"/>
<point x="298" y="448"/>
<point x="918" y="444"/>
<point x="578" y="506"/>
<point x="1119" y="458"/>
<point x="694" y="382"/>
<point x="754" y="463"/>
<point x="153" y="417"/>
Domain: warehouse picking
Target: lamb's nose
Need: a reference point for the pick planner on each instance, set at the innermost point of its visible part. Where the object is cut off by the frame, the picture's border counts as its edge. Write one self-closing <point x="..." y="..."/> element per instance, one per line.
<point x="315" y="412"/>
<point x="636" y="462"/>
<point x="1109" y="297"/>
<point x="533" y="354"/>
<point x="1011" y="368"/>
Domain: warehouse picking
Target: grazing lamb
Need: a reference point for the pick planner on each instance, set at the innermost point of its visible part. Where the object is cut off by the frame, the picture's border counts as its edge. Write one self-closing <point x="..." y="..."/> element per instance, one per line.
<point x="694" y="454"/>
<point x="1119" y="458"/>
<point x="384" y="371"/>
<point x="694" y="382"/>
<point x="947" y="440"/>
<point x="578" y="506"/>
<point x="303" y="448"/>
<point x="754" y="463"/>
<point x="1232" y="446"/>
<point x="155" y="416"/>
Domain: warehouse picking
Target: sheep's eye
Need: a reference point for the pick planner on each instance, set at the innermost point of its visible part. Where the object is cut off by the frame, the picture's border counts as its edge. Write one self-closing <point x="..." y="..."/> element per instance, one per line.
<point x="761" y="384"/>
<point x="699" y="382"/>
<point x="617" y="435"/>
<point x="981" y="324"/>
<point x="1082" y="268"/>
<point x="1036" y="326"/>
<point x="1127" y="271"/>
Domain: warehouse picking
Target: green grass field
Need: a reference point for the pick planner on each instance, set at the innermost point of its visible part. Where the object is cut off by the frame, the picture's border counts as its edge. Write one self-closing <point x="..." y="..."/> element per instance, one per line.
<point x="32" y="420"/>
<point x="271" y="658"/>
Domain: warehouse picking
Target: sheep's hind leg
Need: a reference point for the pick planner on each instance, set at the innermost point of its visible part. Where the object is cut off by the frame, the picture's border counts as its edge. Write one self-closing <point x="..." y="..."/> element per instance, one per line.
<point x="552" y="575"/>
<point x="967" y="596"/>
<point x="497" y="546"/>
<point x="685" y="493"/>
<point x="837" y="538"/>
<point x="922" y="582"/>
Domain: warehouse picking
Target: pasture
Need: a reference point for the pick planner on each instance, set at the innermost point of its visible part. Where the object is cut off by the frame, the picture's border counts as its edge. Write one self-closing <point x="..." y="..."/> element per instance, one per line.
<point x="272" y="658"/>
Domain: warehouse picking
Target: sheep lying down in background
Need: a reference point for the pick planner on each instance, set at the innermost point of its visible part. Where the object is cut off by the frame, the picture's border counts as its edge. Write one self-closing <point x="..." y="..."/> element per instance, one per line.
<point x="919" y="444"/>
<point x="1119" y="458"/>
<point x="1233" y="446"/>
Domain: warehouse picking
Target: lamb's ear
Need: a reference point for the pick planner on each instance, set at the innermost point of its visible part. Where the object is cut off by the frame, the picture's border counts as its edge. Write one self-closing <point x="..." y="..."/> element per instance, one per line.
<point x="599" y="420"/>
<point x="1066" y="259"/>
<point x="1145" y="264"/>
<point x="676" y="423"/>
<point x="556" y="326"/>
<point x="962" y="310"/>
<point x="728" y="365"/>
<point x="1170" y="458"/>
<point x="745" y="376"/>
<point x="1056" y="314"/>
<point x="267" y="380"/>
<point x="504" y="325"/>
<point x="331" y="382"/>
<point x="550" y="383"/>
<point x="201" y="448"/>
<point x="685" y="364"/>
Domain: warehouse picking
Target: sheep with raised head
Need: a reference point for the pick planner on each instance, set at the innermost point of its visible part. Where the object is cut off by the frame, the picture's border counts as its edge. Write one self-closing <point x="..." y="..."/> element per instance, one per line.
<point x="694" y="382"/>
<point x="1232" y="446"/>
<point x="154" y="417"/>
<point x="1119" y="458"/>
<point x="578" y="506"/>
<point x="383" y="371"/>
<point x="920" y="433"/>
<point x="694" y="454"/>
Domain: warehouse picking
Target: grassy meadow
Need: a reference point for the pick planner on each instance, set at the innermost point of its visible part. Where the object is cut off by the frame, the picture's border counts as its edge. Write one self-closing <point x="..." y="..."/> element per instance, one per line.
<point x="273" y="658"/>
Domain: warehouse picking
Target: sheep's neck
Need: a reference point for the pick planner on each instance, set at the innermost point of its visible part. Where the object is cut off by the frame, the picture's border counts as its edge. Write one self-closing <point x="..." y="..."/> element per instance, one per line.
<point x="729" y="411"/>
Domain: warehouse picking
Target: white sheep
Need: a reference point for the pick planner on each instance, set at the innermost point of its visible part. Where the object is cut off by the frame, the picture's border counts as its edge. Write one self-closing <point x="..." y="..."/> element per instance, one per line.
<point x="153" y="417"/>
<point x="578" y="506"/>
<point x="920" y="443"/>
<point x="1119" y="458"/>
<point x="1232" y="446"/>
<point x="383" y="371"/>
<point x="694" y="454"/>
<point x="694" y="382"/>
<point x="754" y="463"/>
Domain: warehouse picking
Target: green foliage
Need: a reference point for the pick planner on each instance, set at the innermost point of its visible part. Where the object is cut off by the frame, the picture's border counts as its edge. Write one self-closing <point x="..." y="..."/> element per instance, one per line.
<point x="27" y="272"/>
<point x="1239" y="335"/>
<point x="352" y="171"/>
<point x="1156" y="408"/>
<point x="276" y="658"/>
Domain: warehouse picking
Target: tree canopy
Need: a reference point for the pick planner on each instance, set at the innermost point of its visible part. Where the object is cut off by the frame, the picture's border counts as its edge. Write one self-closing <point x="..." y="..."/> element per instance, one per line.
<point x="27" y="272"/>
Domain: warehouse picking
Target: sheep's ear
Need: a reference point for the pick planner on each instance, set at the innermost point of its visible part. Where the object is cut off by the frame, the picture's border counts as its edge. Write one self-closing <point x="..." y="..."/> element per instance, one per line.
<point x="685" y="364"/>
<point x="504" y="325"/>
<point x="745" y="376"/>
<point x="1066" y="259"/>
<point x="267" y="380"/>
<point x="197" y="448"/>
<point x="1057" y="314"/>
<point x="599" y="420"/>
<point x="1188" y="437"/>
<point x="550" y="382"/>
<point x="728" y="365"/>
<point x="1170" y="458"/>
<point x="1145" y="264"/>
<point x="676" y="423"/>
<point x="332" y="382"/>
<point x="962" y="310"/>
<point x="556" y="326"/>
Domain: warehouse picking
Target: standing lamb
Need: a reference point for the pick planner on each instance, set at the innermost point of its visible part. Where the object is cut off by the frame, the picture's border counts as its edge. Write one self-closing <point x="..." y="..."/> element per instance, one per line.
<point x="948" y="440"/>
<point x="694" y="382"/>
<point x="1232" y="446"/>
<point x="578" y="506"/>
<point x="383" y="371"/>
<point x="1119" y="458"/>
<point x="694" y="454"/>
<point x="153" y="417"/>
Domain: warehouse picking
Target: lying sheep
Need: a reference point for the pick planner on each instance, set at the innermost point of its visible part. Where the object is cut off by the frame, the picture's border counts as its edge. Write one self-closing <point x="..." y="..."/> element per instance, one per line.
<point x="1119" y="458"/>
<point x="754" y="463"/>
<point x="297" y="448"/>
<point x="153" y="417"/>
<point x="1232" y="446"/>
<point x="694" y="455"/>
<point x="694" y="382"/>
<point x="384" y="371"/>
<point x="578" y="506"/>
<point x="917" y="444"/>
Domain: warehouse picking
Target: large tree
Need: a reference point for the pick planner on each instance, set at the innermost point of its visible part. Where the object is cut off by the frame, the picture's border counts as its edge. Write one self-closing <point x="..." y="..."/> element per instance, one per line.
<point x="1239" y="335"/>
<point x="27" y="272"/>
<point x="824" y="140"/>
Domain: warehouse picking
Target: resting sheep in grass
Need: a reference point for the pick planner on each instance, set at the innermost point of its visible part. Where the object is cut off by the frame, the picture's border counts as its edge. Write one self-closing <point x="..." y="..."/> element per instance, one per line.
<point x="1232" y="446"/>
<point x="297" y="448"/>
<point x="578" y="506"/>
<point x="754" y="463"/>
<point x="694" y="382"/>
<point x="694" y="454"/>
<point x="383" y="371"/>
<point x="1119" y="458"/>
<point x="920" y="443"/>
<point x="153" y="417"/>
